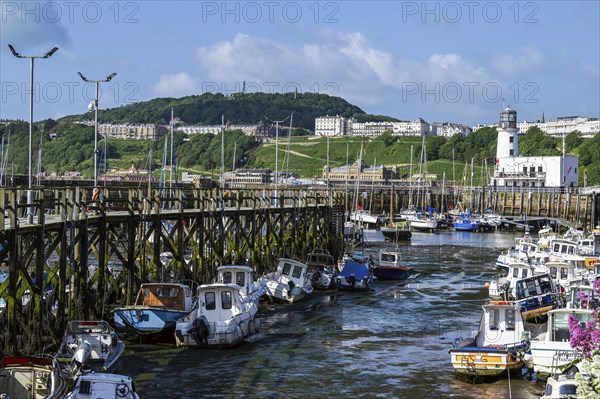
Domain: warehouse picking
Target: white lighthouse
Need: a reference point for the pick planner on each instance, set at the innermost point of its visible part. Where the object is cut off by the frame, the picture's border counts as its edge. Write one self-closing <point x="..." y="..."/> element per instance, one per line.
<point x="508" y="135"/>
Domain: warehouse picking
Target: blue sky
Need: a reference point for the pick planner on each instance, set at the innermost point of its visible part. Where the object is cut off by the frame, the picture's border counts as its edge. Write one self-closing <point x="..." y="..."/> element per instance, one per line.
<point x="442" y="61"/>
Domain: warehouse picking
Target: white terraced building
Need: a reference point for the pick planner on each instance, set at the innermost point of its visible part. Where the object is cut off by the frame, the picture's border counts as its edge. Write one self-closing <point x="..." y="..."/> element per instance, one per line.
<point x="564" y="125"/>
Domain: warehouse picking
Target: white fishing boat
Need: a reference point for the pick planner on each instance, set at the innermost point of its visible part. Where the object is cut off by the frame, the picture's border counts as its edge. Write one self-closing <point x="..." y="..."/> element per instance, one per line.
<point x="103" y="385"/>
<point x="251" y="290"/>
<point x="91" y="344"/>
<point x="497" y="349"/>
<point x="290" y="282"/>
<point x="32" y="377"/>
<point x="222" y="318"/>
<point x="551" y="349"/>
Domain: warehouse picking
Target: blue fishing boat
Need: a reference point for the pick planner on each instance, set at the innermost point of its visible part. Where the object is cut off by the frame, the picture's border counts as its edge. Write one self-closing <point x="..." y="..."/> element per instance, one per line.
<point x="156" y="310"/>
<point x="466" y="222"/>
<point x="354" y="277"/>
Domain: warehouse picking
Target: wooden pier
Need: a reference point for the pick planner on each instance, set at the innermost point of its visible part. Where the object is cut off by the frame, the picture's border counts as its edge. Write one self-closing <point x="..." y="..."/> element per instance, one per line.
<point x="93" y="255"/>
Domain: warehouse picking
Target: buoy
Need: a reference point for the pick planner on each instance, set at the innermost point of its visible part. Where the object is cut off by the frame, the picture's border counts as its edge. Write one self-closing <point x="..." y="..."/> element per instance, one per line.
<point x="487" y="285"/>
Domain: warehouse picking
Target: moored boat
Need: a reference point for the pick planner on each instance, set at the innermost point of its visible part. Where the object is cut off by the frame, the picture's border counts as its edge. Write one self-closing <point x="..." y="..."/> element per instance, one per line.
<point x="93" y="344"/>
<point x="466" y="222"/>
<point x="497" y="349"/>
<point x="321" y="269"/>
<point x="396" y="231"/>
<point x="290" y="282"/>
<point x="221" y="320"/>
<point x="156" y="310"/>
<point x="354" y="277"/>
<point x="31" y="377"/>
<point x="387" y="266"/>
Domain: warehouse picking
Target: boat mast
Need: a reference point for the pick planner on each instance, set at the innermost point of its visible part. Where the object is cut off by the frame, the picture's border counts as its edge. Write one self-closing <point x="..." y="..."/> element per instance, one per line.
<point x="221" y="179"/>
<point x="171" y="168"/>
<point x="472" y="188"/>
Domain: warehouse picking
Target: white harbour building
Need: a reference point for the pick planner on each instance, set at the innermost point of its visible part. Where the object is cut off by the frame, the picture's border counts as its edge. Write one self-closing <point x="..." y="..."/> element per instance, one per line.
<point x="511" y="170"/>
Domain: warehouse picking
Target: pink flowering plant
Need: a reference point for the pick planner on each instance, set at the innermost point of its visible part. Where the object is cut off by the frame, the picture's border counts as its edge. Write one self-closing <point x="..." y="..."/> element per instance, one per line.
<point x="586" y="337"/>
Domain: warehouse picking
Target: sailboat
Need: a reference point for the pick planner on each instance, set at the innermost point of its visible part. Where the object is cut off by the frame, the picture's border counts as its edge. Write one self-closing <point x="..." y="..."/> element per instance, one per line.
<point x="360" y="216"/>
<point x="395" y="231"/>
<point x="466" y="221"/>
<point x="421" y="220"/>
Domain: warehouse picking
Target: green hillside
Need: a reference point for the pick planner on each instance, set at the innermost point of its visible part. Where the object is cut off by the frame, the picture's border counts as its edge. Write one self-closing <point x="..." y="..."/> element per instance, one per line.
<point x="252" y="108"/>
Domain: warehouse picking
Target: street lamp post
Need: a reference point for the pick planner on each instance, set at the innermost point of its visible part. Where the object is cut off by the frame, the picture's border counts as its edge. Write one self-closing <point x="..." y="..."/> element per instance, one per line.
<point x="97" y="82"/>
<point x="31" y="63"/>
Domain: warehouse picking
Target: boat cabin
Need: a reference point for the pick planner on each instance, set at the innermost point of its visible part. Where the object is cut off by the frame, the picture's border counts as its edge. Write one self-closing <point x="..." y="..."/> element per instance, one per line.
<point x="501" y="324"/>
<point x="219" y="302"/>
<point x="534" y="286"/>
<point x="561" y="247"/>
<point x="236" y="274"/>
<point x="388" y="258"/>
<point x="590" y="297"/>
<point x="320" y="260"/>
<point x="165" y="295"/>
<point x="31" y="377"/>
<point x="563" y="273"/>
<point x="558" y="323"/>
<point x="291" y="272"/>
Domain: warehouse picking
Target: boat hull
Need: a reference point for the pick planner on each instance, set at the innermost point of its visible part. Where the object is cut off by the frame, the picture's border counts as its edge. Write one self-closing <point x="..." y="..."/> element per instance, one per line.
<point x="461" y="226"/>
<point x="146" y="321"/>
<point x="391" y="272"/>
<point x="396" y="234"/>
<point x="222" y="335"/>
<point x="423" y="225"/>
<point x="485" y="363"/>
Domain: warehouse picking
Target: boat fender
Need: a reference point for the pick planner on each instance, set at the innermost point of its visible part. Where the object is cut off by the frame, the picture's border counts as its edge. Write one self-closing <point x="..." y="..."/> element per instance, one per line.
<point x="200" y="330"/>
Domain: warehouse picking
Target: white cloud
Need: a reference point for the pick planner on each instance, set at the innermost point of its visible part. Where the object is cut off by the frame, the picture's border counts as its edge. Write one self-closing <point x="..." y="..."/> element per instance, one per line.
<point x="176" y="85"/>
<point x="526" y="59"/>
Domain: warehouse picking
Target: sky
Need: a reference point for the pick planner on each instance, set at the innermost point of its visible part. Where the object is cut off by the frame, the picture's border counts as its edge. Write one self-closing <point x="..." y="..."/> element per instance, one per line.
<point x="451" y="61"/>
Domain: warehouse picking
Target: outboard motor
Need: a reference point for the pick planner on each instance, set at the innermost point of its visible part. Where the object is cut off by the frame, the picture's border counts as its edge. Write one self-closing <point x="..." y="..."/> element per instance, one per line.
<point x="82" y="354"/>
<point x="505" y="289"/>
<point x="316" y="277"/>
<point x="200" y="330"/>
<point x="291" y="286"/>
<point x="352" y="280"/>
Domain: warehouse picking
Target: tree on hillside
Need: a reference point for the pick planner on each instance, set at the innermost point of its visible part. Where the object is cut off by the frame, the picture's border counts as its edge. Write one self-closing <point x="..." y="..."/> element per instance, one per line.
<point x="387" y="138"/>
<point x="573" y="140"/>
<point x="536" y="143"/>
